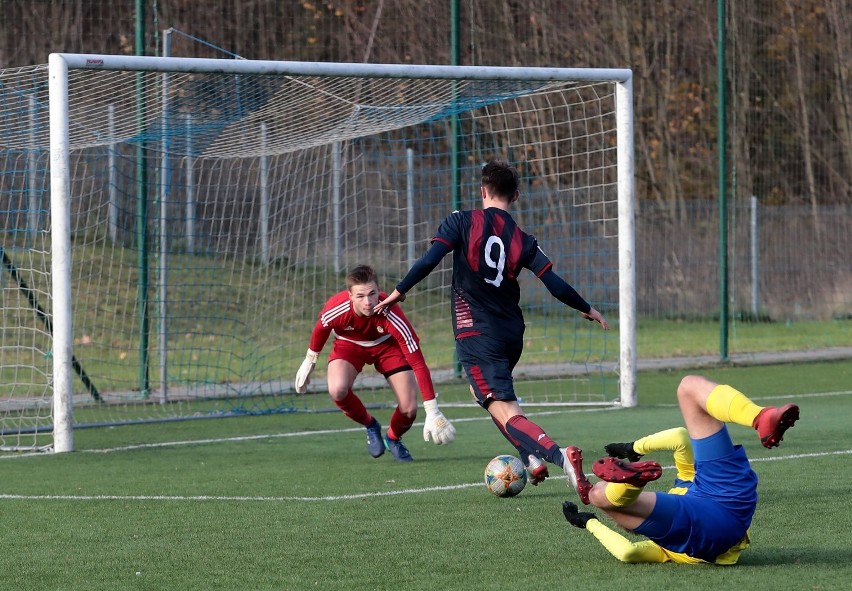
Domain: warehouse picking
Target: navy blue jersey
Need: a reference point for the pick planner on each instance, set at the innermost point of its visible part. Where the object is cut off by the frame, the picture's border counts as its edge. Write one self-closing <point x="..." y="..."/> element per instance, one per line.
<point x="489" y="252"/>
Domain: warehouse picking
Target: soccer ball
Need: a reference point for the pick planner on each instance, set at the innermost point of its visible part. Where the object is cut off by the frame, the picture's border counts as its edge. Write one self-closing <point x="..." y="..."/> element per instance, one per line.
<point x="505" y="476"/>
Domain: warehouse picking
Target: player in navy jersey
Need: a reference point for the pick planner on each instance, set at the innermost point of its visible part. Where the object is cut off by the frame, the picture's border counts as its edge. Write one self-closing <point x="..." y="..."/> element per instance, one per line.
<point x="705" y="517"/>
<point x="386" y="340"/>
<point x="489" y="252"/>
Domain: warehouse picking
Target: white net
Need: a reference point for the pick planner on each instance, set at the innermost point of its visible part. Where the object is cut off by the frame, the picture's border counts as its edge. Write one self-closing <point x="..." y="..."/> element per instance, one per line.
<point x="213" y="214"/>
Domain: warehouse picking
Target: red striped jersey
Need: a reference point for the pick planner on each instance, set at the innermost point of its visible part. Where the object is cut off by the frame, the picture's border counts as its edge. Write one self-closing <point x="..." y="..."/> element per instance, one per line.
<point x="338" y="318"/>
<point x="489" y="252"/>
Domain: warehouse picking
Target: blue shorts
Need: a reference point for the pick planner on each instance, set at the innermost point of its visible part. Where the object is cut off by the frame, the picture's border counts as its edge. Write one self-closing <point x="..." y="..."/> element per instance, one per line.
<point x="716" y="511"/>
<point x="488" y="364"/>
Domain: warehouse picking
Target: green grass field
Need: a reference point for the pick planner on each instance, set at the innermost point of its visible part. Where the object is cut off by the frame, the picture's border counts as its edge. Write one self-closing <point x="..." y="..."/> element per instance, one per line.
<point x="293" y="502"/>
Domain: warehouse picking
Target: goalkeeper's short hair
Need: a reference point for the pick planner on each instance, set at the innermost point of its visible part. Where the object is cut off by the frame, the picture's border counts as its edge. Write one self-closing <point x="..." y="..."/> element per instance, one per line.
<point x="361" y="275"/>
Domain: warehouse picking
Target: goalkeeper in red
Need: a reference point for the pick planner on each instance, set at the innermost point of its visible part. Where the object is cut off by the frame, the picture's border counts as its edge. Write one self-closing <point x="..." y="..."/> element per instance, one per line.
<point x="705" y="517"/>
<point x="489" y="253"/>
<point x="385" y="340"/>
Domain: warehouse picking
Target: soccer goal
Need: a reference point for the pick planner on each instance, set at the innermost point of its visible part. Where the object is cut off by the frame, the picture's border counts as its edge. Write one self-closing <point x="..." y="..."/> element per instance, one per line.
<point x="199" y="212"/>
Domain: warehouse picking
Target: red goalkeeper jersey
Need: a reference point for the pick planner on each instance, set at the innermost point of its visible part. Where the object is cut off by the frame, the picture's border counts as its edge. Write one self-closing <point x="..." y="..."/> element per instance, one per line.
<point x="338" y="318"/>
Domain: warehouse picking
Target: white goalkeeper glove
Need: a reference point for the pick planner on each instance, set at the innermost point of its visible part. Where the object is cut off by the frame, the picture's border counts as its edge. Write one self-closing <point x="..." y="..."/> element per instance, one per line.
<point x="303" y="376"/>
<point x="437" y="426"/>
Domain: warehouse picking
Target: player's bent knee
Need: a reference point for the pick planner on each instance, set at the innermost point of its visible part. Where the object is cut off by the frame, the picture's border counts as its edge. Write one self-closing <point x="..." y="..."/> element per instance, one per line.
<point x="597" y="496"/>
<point x="338" y="395"/>
<point x="687" y="387"/>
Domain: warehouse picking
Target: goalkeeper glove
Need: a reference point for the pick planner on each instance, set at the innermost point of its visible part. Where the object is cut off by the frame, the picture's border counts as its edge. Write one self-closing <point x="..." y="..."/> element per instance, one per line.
<point x="303" y="376"/>
<point x="437" y="426"/>
<point x="574" y="516"/>
<point x="624" y="451"/>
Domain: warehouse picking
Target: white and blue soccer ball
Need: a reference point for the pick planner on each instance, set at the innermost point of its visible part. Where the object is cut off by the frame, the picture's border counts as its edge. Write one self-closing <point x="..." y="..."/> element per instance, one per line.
<point x="505" y="476"/>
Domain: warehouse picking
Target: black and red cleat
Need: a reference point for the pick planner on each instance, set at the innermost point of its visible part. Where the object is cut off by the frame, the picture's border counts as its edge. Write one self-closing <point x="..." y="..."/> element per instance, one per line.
<point x="773" y="421"/>
<point x="636" y="473"/>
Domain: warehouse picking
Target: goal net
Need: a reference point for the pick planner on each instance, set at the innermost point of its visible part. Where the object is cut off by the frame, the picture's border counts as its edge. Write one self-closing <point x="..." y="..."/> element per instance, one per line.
<point x="175" y="225"/>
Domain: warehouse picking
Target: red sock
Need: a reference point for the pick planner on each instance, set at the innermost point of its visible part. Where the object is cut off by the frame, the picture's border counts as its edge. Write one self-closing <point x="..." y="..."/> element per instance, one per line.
<point x="399" y="424"/>
<point x="522" y="453"/>
<point x="353" y="408"/>
<point x="532" y="437"/>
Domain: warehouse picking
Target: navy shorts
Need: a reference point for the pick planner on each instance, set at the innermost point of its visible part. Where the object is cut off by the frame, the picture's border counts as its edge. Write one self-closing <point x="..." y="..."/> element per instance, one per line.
<point x="488" y="364"/>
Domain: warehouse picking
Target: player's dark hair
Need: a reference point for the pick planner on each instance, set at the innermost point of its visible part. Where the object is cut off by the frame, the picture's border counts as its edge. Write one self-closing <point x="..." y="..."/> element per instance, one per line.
<point x="499" y="178"/>
<point x="361" y="275"/>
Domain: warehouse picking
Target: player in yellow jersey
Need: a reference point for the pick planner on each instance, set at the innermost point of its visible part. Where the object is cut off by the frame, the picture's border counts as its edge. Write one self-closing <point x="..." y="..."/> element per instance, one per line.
<point x="705" y="516"/>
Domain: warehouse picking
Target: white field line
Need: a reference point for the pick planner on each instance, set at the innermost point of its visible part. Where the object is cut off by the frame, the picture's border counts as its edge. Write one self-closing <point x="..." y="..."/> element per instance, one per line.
<point x="484" y="417"/>
<point x="370" y="495"/>
<point x="355" y="429"/>
<point x="217" y="440"/>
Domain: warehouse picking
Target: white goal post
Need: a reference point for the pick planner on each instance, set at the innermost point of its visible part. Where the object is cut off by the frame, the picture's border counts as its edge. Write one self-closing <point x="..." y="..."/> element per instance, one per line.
<point x="570" y="130"/>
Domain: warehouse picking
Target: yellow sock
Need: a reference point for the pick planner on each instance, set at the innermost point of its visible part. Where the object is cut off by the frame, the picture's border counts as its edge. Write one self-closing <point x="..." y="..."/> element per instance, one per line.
<point x="685" y="467"/>
<point x="669" y="439"/>
<point x="732" y="406"/>
<point x="622" y="548"/>
<point x="620" y="494"/>
<point x="617" y="544"/>
<point x="675" y="440"/>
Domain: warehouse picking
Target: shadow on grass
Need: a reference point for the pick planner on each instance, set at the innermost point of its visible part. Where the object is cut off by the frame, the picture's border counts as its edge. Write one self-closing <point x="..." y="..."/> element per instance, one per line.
<point x="829" y="557"/>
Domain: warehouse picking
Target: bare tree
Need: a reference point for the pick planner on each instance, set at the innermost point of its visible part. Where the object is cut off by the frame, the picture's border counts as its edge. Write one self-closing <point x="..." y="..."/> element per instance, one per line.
<point x="839" y="14"/>
<point x="804" y="120"/>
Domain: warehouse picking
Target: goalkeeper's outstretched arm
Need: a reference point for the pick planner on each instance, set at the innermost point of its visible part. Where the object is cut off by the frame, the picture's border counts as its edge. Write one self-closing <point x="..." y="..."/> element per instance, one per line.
<point x="319" y="336"/>
<point x="437" y="427"/>
<point x="303" y="375"/>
